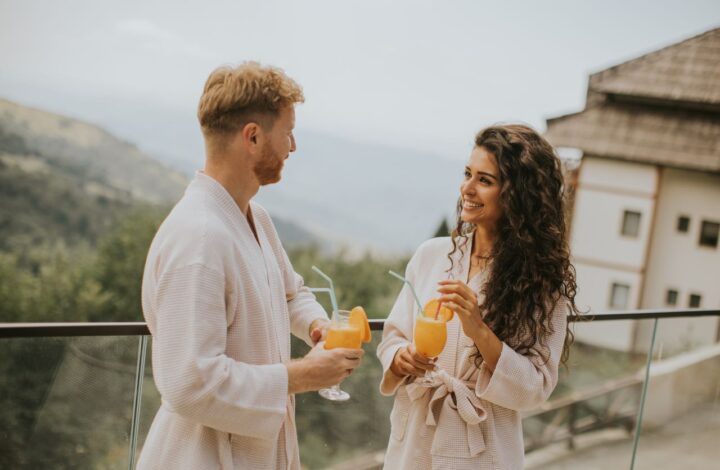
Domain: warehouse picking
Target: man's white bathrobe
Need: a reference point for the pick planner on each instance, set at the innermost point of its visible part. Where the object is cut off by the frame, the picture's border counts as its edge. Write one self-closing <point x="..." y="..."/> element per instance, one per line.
<point x="221" y="305"/>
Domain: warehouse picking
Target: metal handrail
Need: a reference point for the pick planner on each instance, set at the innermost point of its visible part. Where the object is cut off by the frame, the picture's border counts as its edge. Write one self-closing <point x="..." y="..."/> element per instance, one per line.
<point x="36" y="330"/>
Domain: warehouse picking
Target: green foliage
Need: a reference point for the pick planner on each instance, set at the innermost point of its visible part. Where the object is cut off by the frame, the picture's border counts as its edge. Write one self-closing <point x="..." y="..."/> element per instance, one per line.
<point x="49" y="283"/>
<point x="120" y="264"/>
<point x="38" y="209"/>
<point x="443" y="230"/>
<point x="358" y="281"/>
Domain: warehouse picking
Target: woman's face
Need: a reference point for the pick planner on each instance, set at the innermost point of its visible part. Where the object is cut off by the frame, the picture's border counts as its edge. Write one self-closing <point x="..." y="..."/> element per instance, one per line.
<point x="480" y="190"/>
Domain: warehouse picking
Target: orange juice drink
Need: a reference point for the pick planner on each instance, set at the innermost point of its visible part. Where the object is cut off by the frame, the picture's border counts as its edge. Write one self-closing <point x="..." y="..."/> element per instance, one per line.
<point x="343" y="337"/>
<point x="430" y="336"/>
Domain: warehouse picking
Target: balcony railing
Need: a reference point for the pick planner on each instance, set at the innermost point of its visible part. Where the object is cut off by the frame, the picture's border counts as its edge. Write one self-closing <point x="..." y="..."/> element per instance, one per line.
<point x="81" y="395"/>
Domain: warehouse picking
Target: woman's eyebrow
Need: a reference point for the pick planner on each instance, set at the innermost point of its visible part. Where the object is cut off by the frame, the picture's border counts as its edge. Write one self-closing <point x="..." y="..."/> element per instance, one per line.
<point x="485" y="173"/>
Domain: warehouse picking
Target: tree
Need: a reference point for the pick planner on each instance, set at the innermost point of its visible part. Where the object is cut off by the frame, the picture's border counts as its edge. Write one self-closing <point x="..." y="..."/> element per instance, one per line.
<point x="443" y="230"/>
<point x="121" y="261"/>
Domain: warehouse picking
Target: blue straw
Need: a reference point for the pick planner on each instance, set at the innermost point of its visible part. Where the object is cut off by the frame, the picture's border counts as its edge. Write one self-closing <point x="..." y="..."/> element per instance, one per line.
<point x="331" y="290"/>
<point x="412" y="289"/>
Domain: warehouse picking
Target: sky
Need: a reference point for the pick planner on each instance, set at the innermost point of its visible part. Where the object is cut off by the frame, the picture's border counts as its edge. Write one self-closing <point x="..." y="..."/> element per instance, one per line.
<point x="416" y="74"/>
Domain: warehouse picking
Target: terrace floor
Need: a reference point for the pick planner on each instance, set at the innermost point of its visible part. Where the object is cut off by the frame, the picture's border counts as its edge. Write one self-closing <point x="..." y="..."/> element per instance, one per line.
<point x="690" y="442"/>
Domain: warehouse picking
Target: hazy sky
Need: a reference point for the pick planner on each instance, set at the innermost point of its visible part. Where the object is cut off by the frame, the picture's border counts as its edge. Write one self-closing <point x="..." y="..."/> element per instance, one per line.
<point x="424" y="74"/>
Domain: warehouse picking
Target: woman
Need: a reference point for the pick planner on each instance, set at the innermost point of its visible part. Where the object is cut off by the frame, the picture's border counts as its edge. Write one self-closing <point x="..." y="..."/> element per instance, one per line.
<point x="506" y="274"/>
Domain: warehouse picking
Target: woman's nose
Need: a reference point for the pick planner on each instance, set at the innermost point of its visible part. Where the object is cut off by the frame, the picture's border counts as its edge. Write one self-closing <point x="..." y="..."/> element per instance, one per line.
<point x="466" y="189"/>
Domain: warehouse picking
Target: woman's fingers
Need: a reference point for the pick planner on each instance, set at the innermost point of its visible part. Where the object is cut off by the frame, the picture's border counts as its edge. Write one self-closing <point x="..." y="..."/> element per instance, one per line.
<point x="457" y="301"/>
<point x="457" y="286"/>
<point x="461" y="293"/>
<point x="410" y="369"/>
<point x="416" y="362"/>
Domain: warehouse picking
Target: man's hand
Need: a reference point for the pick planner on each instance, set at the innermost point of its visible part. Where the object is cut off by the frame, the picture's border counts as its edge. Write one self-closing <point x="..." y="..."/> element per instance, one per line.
<point x="408" y="361"/>
<point x="322" y="368"/>
<point x="319" y="329"/>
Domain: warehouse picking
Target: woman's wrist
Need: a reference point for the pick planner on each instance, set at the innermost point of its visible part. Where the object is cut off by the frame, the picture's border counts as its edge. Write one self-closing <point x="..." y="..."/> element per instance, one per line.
<point x="481" y="335"/>
<point x="393" y="365"/>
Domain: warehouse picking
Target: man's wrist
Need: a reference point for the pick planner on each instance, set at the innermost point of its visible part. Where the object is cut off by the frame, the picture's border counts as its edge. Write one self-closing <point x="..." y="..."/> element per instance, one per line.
<point x="296" y="374"/>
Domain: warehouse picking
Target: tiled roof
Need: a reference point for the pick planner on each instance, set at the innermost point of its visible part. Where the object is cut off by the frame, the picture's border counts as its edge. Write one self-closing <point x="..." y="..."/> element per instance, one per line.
<point x="662" y="108"/>
<point x="688" y="71"/>
<point x="677" y="138"/>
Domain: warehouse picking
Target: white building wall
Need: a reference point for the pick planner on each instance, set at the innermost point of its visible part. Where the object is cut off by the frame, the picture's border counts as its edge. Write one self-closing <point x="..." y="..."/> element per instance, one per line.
<point x="602" y="254"/>
<point x="677" y="261"/>
<point x="606" y="189"/>
<point x="594" y="285"/>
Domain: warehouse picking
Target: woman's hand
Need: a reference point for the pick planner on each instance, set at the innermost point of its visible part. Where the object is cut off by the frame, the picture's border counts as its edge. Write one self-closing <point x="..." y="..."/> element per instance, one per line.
<point x="458" y="297"/>
<point x="408" y="361"/>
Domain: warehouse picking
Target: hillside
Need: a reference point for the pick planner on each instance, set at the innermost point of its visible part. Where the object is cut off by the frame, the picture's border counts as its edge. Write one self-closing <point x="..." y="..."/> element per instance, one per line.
<point x="65" y="180"/>
<point x="88" y="152"/>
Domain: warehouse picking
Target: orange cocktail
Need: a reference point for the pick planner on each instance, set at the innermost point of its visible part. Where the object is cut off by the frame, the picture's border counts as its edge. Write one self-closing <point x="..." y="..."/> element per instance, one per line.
<point x="343" y="337"/>
<point x="430" y="336"/>
<point x="347" y="330"/>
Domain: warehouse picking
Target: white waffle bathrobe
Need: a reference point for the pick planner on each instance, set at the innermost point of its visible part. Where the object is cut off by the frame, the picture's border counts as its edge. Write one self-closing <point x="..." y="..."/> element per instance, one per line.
<point x="480" y="428"/>
<point x="221" y="308"/>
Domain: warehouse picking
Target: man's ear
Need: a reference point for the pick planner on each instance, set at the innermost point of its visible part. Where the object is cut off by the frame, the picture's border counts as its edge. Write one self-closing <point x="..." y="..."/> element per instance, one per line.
<point x="251" y="135"/>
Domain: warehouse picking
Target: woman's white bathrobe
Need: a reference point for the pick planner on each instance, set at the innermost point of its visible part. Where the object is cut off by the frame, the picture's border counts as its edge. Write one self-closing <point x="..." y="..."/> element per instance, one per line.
<point x="221" y="308"/>
<point x="480" y="429"/>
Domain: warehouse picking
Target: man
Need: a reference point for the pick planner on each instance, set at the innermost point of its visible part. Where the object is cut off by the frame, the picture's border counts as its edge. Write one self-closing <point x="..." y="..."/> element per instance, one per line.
<point x="221" y="298"/>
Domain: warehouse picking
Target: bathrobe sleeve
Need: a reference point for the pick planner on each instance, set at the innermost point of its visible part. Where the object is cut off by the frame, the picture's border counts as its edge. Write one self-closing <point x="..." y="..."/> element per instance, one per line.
<point x="524" y="381"/>
<point x="398" y="331"/>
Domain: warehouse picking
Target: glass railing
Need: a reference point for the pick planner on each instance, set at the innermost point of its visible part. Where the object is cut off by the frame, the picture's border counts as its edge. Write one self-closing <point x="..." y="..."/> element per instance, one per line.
<point x="71" y="397"/>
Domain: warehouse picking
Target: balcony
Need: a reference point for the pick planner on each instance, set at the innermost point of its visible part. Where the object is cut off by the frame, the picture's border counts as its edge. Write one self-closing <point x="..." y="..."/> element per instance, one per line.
<point x="82" y="396"/>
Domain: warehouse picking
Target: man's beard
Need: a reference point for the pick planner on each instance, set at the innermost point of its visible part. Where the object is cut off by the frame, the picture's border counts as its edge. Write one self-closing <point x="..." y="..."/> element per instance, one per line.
<point x="269" y="168"/>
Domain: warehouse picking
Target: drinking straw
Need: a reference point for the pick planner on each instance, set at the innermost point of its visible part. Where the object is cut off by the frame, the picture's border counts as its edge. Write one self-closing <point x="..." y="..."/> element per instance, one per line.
<point x="412" y="289"/>
<point x="437" y="311"/>
<point x="331" y="290"/>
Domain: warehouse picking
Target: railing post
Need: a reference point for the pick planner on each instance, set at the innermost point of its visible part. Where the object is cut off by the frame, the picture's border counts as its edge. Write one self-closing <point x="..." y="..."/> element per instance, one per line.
<point x="571" y="425"/>
<point x="137" y="400"/>
<point x="638" y="424"/>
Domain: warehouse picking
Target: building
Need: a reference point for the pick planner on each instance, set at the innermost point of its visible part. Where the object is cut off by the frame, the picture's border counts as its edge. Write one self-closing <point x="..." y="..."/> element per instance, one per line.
<point x="646" y="216"/>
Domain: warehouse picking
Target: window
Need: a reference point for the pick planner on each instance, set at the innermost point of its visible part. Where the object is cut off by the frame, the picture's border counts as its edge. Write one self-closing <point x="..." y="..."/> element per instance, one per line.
<point x="709" y="234"/>
<point x="619" y="296"/>
<point x="695" y="300"/>
<point x="683" y="224"/>
<point x="671" y="297"/>
<point x="631" y="224"/>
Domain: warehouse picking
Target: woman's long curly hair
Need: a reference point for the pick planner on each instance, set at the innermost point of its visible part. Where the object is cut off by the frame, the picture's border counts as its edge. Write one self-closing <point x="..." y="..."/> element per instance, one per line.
<point x="530" y="265"/>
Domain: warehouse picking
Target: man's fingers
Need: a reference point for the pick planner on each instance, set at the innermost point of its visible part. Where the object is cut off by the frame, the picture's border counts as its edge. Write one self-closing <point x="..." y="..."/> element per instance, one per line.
<point x="349" y="353"/>
<point x="350" y="363"/>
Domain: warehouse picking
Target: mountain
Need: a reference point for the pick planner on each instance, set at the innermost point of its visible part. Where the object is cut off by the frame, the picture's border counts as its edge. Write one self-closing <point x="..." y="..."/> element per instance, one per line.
<point x="89" y="152"/>
<point x="64" y="179"/>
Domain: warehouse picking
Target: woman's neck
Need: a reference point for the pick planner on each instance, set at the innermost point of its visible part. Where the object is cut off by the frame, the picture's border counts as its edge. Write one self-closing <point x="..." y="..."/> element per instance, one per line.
<point x="483" y="242"/>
